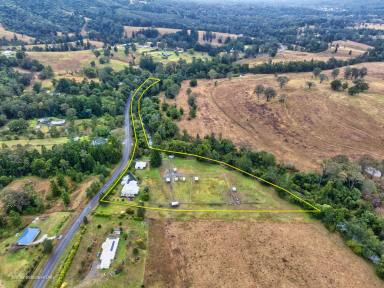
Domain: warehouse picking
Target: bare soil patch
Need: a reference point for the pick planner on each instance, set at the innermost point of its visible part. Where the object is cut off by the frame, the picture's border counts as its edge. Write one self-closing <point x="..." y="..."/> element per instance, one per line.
<point x="313" y="124"/>
<point x="246" y="254"/>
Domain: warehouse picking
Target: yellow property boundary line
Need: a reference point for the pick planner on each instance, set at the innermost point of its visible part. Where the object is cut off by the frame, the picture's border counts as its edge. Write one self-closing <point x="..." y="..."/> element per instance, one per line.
<point x="154" y="81"/>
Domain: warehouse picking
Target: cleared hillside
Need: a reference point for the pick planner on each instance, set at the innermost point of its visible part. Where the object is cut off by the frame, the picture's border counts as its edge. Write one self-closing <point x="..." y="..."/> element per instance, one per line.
<point x="9" y="35"/>
<point x="313" y="124"/>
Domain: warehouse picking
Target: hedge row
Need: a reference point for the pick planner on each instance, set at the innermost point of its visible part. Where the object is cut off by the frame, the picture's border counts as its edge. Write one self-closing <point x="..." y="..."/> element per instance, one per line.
<point x="68" y="261"/>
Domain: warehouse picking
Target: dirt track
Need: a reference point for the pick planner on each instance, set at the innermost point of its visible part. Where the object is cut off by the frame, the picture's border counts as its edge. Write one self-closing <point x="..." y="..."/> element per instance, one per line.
<point x="313" y="125"/>
<point x="244" y="254"/>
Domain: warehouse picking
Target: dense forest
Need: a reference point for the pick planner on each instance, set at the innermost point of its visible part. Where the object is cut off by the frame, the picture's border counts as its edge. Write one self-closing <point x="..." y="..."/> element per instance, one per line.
<point x="306" y="25"/>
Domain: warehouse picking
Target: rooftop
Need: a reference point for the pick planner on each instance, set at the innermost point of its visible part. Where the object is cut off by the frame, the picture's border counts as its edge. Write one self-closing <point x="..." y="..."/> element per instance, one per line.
<point x="28" y="236"/>
<point x="109" y="248"/>
<point x="140" y="165"/>
<point x="130" y="189"/>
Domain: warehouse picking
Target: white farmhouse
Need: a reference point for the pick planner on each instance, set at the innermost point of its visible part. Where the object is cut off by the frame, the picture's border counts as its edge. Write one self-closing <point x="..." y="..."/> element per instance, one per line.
<point x="130" y="189"/>
<point x="109" y="248"/>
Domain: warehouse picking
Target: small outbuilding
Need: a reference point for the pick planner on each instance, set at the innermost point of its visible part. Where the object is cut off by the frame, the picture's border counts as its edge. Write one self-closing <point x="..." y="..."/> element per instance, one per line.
<point x="140" y="165"/>
<point x="234" y="189"/>
<point x="168" y="179"/>
<point x="98" y="141"/>
<point x="373" y="172"/>
<point x="196" y="179"/>
<point x="44" y="121"/>
<point x="60" y="122"/>
<point x="175" y="204"/>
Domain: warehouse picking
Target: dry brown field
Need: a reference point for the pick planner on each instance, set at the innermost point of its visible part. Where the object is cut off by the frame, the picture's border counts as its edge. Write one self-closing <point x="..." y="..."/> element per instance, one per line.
<point x="311" y="126"/>
<point x="9" y="35"/>
<point x="252" y="254"/>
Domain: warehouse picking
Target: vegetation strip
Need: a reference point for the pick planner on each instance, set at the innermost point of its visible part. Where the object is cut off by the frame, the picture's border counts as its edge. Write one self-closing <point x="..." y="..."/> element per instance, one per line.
<point x="68" y="261"/>
<point x="155" y="81"/>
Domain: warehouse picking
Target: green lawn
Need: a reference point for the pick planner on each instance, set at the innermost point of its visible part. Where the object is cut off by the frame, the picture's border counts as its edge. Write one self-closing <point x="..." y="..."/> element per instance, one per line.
<point x="212" y="190"/>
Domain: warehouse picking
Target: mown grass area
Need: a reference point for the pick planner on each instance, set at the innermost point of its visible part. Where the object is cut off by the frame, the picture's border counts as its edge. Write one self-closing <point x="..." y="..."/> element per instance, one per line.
<point x="127" y="269"/>
<point x="212" y="191"/>
<point x="18" y="260"/>
<point x="48" y="142"/>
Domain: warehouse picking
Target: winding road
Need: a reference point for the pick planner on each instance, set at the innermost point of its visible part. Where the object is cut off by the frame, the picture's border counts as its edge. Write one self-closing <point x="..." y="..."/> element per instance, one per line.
<point x="46" y="273"/>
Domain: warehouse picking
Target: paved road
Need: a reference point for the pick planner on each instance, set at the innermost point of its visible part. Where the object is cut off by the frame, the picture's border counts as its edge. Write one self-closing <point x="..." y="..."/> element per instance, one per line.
<point x="67" y="237"/>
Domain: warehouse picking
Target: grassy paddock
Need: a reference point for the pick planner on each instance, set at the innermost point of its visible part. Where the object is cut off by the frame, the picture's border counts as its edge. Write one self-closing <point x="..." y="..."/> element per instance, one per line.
<point x="212" y="191"/>
<point x="131" y="265"/>
<point x="49" y="142"/>
<point x="173" y="57"/>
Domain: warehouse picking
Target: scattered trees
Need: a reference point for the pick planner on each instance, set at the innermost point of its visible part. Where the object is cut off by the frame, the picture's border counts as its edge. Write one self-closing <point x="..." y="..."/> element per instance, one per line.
<point x="269" y="93"/>
<point x="172" y="91"/>
<point x="335" y="73"/>
<point x="310" y="84"/>
<point x="193" y="83"/>
<point x="282" y="80"/>
<point x="323" y="77"/>
<point x="316" y="72"/>
<point x="259" y="90"/>
<point x="355" y="73"/>
<point x="336" y="85"/>
<point x="212" y="74"/>
<point x="360" y="86"/>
